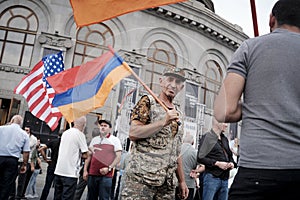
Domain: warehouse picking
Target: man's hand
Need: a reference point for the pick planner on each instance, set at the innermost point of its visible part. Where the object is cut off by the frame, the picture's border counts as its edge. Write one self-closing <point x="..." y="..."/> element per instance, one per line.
<point x="104" y="170"/>
<point x="85" y="175"/>
<point x="194" y="173"/>
<point x="32" y="168"/>
<point x="48" y="161"/>
<point x="171" y="115"/>
<point x="183" y="190"/>
<point x="224" y="165"/>
<point x="230" y="165"/>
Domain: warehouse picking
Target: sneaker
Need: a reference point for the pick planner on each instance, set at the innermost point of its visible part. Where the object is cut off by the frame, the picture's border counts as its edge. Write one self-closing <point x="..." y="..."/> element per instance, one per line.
<point x="29" y="196"/>
<point x="35" y="196"/>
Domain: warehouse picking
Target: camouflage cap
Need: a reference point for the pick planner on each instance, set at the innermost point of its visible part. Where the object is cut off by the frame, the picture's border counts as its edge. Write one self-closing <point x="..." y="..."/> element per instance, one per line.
<point x="174" y="71"/>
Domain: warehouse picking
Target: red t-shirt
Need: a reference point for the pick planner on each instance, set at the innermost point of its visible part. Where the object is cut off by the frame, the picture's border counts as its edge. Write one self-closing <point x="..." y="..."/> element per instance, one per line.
<point x="102" y="158"/>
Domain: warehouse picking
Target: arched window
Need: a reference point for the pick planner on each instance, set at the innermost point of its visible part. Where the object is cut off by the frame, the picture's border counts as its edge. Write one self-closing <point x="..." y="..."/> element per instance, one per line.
<point x="213" y="79"/>
<point x="91" y="42"/>
<point x="18" y="29"/>
<point x="161" y="55"/>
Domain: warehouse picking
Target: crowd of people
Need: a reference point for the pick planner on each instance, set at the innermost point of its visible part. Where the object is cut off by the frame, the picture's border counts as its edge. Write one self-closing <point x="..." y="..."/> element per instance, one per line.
<point x="162" y="162"/>
<point x="157" y="153"/>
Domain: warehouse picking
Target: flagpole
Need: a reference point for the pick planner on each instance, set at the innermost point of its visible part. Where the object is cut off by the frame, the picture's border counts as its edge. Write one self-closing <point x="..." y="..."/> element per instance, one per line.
<point x="143" y="84"/>
<point x="254" y="17"/>
<point x="140" y="80"/>
<point x="146" y="87"/>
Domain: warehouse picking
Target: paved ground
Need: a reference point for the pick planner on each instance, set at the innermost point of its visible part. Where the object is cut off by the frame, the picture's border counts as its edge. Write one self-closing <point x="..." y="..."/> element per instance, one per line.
<point x="41" y="181"/>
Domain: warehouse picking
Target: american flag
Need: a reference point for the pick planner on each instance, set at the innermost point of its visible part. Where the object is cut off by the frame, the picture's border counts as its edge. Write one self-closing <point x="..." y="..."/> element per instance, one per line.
<point x="38" y="93"/>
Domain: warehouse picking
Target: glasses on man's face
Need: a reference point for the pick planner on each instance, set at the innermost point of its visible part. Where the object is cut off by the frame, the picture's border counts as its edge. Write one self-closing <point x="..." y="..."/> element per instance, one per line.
<point x="27" y="130"/>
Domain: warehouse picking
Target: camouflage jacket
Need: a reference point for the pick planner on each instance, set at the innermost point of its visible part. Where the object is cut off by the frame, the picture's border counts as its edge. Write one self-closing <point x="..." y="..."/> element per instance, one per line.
<point x="154" y="159"/>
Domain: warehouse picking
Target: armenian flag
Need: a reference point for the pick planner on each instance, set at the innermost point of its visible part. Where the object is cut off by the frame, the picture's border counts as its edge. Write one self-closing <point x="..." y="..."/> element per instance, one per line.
<point x="84" y="88"/>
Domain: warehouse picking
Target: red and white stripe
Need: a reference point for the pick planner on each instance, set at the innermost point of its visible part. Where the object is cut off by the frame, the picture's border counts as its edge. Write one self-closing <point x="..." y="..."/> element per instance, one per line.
<point x="34" y="91"/>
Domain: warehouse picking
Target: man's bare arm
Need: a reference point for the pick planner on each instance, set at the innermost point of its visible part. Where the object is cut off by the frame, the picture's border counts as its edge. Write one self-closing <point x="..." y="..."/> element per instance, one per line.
<point x="42" y="151"/>
<point x="25" y="161"/>
<point x="86" y="165"/>
<point x="227" y="106"/>
<point x="117" y="159"/>
<point x="183" y="189"/>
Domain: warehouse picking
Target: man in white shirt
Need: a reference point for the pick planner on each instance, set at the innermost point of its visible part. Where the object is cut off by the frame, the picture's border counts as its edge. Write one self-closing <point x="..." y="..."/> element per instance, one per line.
<point x="72" y="148"/>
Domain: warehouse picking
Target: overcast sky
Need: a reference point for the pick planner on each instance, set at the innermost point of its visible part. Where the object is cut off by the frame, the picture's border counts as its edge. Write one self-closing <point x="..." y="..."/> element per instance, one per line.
<point x="239" y="12"/>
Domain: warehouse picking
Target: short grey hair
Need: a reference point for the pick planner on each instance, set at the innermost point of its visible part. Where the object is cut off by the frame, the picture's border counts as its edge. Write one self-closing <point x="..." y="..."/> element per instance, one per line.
<point x="188" y="139"/>
<point x="17" y="119"/>
<point x="80" y="123"/>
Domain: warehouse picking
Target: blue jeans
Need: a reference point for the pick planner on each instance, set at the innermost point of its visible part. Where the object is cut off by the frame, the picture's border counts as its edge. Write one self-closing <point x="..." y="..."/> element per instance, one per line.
<point x="48" y="182"/>
<point x="65" y="187"/>
<point x="99" y="186"/>
<point x="214" y="188"/>
<point x="31" y="188"/>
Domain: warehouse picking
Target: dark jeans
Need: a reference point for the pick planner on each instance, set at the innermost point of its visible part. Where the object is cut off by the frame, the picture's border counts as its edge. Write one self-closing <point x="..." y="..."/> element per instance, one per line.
<point x="8" y="174"/>
<point x="23" y="180"/>
<point x="99" y="186"/>
<point x="198" y="194"/>
<point x="48" y="182"/>
<point x="65" y="187"/>
<point x="80" y="188"/>
<point x="265" y="184"/>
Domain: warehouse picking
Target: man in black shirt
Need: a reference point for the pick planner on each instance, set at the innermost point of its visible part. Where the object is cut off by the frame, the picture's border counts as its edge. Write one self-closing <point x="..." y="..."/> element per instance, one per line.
<point x="54" y="146"/>
<point x="215" y="154"/>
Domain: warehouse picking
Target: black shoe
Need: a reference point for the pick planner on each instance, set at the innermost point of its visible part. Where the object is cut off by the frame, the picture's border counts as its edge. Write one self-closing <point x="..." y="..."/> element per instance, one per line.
<point x="23" y="198"/>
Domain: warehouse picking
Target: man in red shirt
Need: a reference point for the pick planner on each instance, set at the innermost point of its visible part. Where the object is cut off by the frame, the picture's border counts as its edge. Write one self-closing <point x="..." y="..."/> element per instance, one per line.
<point x="105" y="154"/>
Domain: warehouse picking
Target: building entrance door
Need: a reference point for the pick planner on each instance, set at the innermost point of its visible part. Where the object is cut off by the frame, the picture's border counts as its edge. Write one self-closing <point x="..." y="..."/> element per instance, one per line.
<point x="8" y="108"/>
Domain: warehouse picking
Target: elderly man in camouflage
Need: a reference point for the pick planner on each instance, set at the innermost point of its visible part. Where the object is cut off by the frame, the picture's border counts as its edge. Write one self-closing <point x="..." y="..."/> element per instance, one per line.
<point x="157" y="138"/>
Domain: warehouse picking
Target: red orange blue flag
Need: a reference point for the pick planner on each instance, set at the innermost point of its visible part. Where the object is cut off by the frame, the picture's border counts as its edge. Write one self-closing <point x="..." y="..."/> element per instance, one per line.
<point x="84" y="88"/>
<point x="88" y="12"/>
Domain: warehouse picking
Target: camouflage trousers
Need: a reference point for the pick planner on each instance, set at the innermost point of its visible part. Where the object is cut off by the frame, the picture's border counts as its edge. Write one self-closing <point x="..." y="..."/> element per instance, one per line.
<point x="135" y="190"/>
